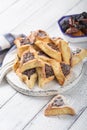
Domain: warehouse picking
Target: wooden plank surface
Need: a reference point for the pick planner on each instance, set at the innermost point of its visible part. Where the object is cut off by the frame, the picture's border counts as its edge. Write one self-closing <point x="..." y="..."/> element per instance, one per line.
<point x="46" y="16"/>
<point x="81" y="123"/>
<point x="76" y="98"/>
<point x="20" y="110"/>
<point x="5" y="4"/>
<point x="18" y="12"/>
<point x="6" y="93"/>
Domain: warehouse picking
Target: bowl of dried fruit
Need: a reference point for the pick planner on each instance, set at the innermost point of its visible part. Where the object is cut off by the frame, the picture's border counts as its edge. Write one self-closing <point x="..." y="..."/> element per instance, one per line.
<point x="74" y="27"/>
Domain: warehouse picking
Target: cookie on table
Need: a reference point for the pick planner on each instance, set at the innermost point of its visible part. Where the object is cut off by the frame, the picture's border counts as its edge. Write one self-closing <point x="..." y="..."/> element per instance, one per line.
<point x="58" y="106"/>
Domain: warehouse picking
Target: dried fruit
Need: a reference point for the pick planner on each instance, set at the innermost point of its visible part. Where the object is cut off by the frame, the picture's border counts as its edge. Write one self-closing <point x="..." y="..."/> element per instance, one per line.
<point x="74" y="24"/>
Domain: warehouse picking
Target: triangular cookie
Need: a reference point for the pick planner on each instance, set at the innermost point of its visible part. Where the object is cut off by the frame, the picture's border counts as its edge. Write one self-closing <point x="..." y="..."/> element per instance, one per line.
<point x="45" y="74"/>
<point x="65" y="51"/>
<point x="29" y="60"/>
<point x="22" y="45"/>
<point x="50" y="48"/>
<point x="61" y="70"/>
<point x="78" y="56"/>
<point x="29" y="77"/>
<point x="58" y="106"/>
<point x="38" y="35"/>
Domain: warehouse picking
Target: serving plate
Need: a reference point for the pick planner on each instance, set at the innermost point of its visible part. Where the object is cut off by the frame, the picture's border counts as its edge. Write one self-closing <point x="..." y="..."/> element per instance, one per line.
<point x="49" y="89"/>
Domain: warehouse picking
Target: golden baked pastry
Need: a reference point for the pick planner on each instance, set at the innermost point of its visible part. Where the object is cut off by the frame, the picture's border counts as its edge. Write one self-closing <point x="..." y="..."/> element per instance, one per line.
<point x="50" y="49"/>
<point x="38" y="35"/>
<point x="58" y="71"/>
<point x="58" y="106"/>
<point x="65" y="51"/>
<point x="16" y="64"/>
<point x="61" y="70"/>
<point x="29" y="60"/>
<point x="28" y="76"/>
<point x="22" y="44"/>
<point x="78" y="56"/>
<point x="21" y="41"/>
<point x="57" y="41"/>
<point x="43" y="56"/>
<point x="45" y="74"/>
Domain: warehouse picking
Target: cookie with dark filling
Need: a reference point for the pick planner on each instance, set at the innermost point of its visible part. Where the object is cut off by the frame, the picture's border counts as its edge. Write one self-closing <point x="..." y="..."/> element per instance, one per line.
<point x="58" y="71"/>
<point x="30" y="60"/>
<point x="65" y="68"/>
<point x="61" y="70"/>
<point x="65" y="51"/>
<point x="21" y="41"/>
<point x="50" y="48"/>
<point x="45" y="74"/>
<point x="58" y="106"/>
<point x="78" y="56"/>
<point x="22" y="44"/>
<point x="38" y="35"/>
<point x="29" y="77"/>
<point x="43" y="56"/>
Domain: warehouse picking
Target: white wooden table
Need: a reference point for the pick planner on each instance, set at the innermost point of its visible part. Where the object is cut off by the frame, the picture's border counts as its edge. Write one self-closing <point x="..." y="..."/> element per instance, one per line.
<point x="20" y="112"/>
